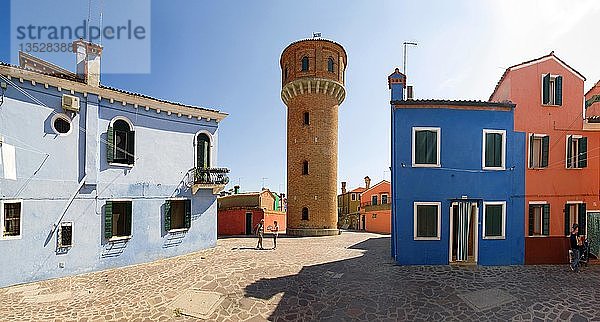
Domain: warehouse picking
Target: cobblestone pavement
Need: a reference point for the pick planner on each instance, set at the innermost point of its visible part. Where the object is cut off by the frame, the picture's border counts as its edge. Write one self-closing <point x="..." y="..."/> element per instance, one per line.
<point x="347" y="277"/>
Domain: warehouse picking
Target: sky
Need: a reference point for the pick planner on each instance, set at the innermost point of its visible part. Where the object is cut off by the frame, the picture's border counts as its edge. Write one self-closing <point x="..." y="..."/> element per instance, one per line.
<point x="225" y="55"/>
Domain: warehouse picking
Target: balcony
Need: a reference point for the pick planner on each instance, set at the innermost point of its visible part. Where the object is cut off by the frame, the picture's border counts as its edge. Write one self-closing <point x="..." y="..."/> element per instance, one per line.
<point x="208" y="178"/>
<point x="368" y="206"/>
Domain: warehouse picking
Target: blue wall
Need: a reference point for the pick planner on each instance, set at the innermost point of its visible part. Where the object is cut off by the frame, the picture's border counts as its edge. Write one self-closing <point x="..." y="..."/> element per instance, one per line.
<point x="164" y="151"/>
<point x="460" y="175"/>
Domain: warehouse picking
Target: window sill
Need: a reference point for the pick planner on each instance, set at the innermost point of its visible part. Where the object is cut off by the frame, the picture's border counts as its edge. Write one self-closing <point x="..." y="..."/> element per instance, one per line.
<point x="494" y="168"/>
<point x="495" y="237"/>
<point x="116" y="164"/>
<point x="574" y="168"/>
<point x="426" y="165"/>
<point x="178" y="230"/>
<point x="537" y="168"/>
<point x="426" y="238"/>
<point x="119" y="238"/>
<point x="538" y="236"/>
<point x="11" y="237"/>
<point x="551" y="105"/>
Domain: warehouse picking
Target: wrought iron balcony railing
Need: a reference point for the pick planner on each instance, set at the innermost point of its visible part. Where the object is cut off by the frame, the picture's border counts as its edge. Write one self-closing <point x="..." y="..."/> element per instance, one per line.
<point x="214" y="178"/>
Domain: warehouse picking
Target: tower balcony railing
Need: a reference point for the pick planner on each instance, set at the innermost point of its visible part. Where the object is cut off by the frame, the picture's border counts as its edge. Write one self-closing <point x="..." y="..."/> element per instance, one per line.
<point x="208" y="178"/>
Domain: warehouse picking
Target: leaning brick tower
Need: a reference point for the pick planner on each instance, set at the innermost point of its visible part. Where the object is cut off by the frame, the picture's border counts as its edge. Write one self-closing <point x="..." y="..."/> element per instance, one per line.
<point x="312" y="88"/>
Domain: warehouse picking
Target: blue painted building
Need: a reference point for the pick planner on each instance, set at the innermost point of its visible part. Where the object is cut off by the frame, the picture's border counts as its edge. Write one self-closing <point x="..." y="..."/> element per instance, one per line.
<point x="94" y="177"/>
<point x="457" y="181"/>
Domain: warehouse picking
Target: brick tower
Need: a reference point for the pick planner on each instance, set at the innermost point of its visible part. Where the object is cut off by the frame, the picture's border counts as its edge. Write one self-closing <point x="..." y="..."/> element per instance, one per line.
<point x="312" y="88"/>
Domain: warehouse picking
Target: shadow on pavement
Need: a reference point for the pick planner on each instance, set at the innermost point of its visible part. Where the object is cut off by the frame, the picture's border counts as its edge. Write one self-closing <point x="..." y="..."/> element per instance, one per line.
<point x="371" y="287"/>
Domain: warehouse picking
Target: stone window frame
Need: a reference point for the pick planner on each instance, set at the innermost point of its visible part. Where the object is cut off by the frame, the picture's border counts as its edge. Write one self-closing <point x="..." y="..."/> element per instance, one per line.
<point x="2" y="219"/>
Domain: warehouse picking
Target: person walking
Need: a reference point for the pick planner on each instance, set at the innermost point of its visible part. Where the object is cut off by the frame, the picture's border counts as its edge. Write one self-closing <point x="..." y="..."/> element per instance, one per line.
<point x="260" y="230"/>
<point x="574" y="248"/>
<point x="275" y="231"/>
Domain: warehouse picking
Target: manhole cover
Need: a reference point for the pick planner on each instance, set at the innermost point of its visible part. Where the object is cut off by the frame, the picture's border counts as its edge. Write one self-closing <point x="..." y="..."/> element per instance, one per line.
<point x="487" y="299"/>
<point x="197" y="303"/>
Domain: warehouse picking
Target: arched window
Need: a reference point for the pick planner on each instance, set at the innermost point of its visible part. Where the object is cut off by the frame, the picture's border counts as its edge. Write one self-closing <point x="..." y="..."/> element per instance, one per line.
<point x="306" y="118"/>
<point x="120" y="143"/>
<point x="330" y="65"/>
<point x="304" y="64"/>
<point x="202" y="151"/>
<point x="305" y="167"/>
<point x="304" y="213"/>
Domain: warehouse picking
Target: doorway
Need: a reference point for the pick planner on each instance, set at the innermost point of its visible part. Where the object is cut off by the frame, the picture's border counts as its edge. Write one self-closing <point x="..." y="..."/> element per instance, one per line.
<point x="593" y="232"/>
<point x="248" y="223"/>
<point x="463" y="232"/>
<point x="364" y="219"/>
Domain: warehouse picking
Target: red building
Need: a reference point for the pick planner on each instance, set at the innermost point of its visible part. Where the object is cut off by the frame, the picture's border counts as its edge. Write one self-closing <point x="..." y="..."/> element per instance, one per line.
<point x="239" y="213"/>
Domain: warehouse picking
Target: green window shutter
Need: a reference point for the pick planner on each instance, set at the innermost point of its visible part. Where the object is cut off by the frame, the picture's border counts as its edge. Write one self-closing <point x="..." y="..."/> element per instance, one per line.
<point x="420" y="147"/>
<point x="531" y="140"/>
<point x="546" y="89"/>
<point x="431" y="147"/>
<point x="567" y="220"/>
<point x="569" y="149"/>
<point x="497" y="150"/>
<point x="110" y="146"/>
<point x="582" y="161"/>
<point x="108" y="219"/>
<point x="558" y="91"/>
<point x="582" y="219"/>
<point x="531" y="219"/>
<point x="489" y="150"/>
<point x="130" y="147"/>
<point x="167" y="214"/>
<point x="188" y="213"/>
<point x="128" y="218"/>
<point x="546" y="220"/>
<point x="545" y="150"/>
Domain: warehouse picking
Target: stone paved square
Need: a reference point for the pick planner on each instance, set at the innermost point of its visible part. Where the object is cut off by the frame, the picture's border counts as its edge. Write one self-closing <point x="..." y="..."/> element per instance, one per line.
<point x="486" y="299"/>
<point x="339" y="278"/>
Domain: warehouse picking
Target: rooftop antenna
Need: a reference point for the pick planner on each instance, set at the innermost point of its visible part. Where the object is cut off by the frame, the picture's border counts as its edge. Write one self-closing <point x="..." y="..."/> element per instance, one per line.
<point x="404" y="65"/>
<point x="263" y="181"/>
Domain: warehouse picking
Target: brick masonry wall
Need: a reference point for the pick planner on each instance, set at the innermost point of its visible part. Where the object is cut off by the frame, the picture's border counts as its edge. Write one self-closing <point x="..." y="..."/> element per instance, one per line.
<point x="317" y="142"/>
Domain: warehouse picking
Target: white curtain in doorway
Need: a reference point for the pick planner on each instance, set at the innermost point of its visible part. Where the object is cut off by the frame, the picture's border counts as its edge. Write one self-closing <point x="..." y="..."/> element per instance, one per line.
<point x="463" y="225"/>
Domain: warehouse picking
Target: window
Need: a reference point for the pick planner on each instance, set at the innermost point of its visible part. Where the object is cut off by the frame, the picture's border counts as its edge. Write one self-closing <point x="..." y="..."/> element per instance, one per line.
<point x="304" y="64"/>
<point x="539" y="219"/>
<point x="552" y="90"/>
<point x="384" y="199"/>
<point x="178" y="214"/>
<point x="353" y="197"/>
<point x="61" y="124"/>
<point x="427" y="220"/>
<point x="374" y="216"/>
<point x="539" y="145"/>
<point x="202" y="151"/>
<point x="11" y="219"/>
<point x="117" y="219"/>
<point x="426" y="147"/>
<point x="65" y="235"/>
<point x="330" y="65"/>
<point x="120" y="143"/>
<point x="304" y="213"/>
<point x="576" y="152"/>
<point x="306" y="118"/>
<point x="494" y="142"/>
<point x="305" y="168"/>
<point x="374" y="200"/>
<point x="494" y="220"/>
<point x="575" y="213"/>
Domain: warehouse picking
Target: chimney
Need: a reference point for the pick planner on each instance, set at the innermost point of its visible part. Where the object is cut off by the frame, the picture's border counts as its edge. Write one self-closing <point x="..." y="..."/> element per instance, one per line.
<point x="88" y="61"/>
<point x="409" y="92"/>
<point x="367" y="182"/>
<point x="343" y="187"/>
<point x="397" y="83"/>
<point x="236" y="190"/>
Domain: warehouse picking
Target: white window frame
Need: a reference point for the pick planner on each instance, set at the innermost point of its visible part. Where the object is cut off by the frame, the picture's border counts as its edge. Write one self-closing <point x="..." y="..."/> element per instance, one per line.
<point x="353" y="196"/>
<point x="118" y="238"/>
<point x="59" y="234"/>
<point x="538" y="203"/>
<point x="131" y="128"/>
<point x="2" y="203"/>
<point x="439" y="219"/>
<point x="64" y="117"/>
<point x="387" y="199"/>
<point x="490" y="131"/>
<point x="541" y="136"/>
<point x="495" y="203"/>
<point x="438" y="131"/>
<point x="570" y="137"/>
<point x="551" y="90"/>
<point x="175" y="230"/>
<point x="376" y="200"/>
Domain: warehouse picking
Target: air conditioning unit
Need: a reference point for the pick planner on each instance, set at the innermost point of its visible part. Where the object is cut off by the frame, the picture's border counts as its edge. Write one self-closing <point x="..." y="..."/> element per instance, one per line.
<point x="70" y="103"/>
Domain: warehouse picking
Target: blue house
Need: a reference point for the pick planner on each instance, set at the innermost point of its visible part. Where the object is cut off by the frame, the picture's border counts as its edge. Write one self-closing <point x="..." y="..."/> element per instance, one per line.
<point x="93" y="177"/>
<point x="457" y="181"/>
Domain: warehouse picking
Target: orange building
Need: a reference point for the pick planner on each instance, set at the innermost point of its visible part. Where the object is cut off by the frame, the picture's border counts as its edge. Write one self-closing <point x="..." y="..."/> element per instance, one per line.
<point x="239" y="213"/>
<point x="375" y="208"/>
<point x="562" y="177"/>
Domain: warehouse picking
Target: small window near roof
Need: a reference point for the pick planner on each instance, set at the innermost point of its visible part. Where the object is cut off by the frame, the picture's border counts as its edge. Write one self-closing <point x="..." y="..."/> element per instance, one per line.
<point x="330" y="65"/>
<point x="61" y="125"/>
<point x="304" y="64"/>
